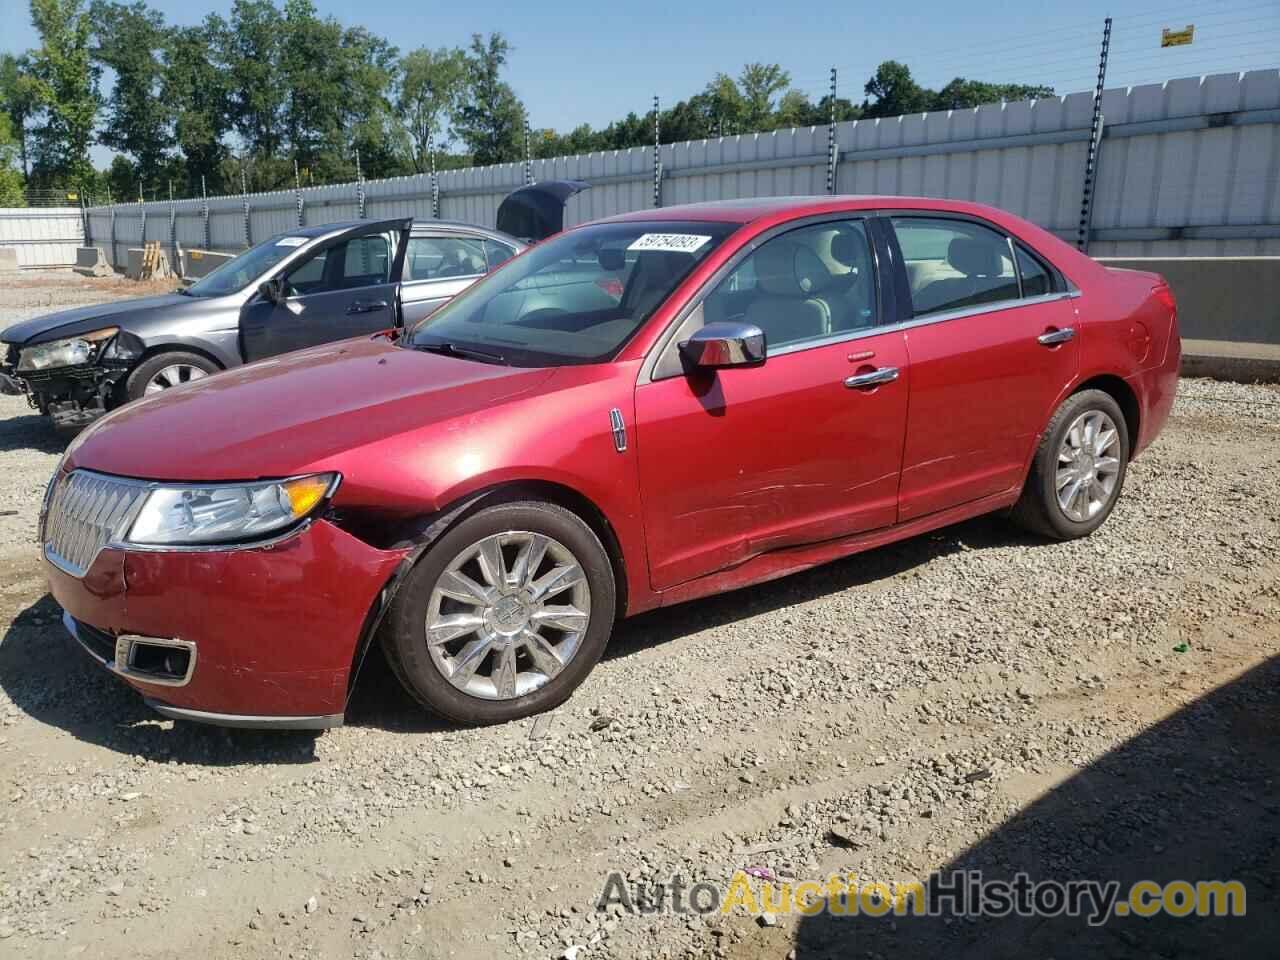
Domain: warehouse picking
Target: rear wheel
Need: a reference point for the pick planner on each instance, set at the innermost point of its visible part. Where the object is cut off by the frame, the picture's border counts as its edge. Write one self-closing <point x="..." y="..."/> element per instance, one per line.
<point x="164" y="370"/>
<point x="1078" y="470"/>
<point x="505" y="616"/>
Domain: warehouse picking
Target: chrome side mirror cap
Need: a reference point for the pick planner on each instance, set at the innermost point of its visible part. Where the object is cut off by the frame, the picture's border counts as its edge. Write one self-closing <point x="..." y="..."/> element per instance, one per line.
<point x="724" y="344"/>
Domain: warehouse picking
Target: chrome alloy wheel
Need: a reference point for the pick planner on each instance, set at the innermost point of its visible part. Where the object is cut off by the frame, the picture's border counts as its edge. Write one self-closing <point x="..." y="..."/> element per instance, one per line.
<point x="1088" y="466"/>
<point x="507" y="614"/>
<point x="172" y="376"/>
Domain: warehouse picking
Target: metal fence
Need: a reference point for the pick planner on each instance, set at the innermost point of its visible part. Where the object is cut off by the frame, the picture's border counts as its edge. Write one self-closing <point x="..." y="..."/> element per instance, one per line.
<point x="1188" y="167"/>
<point x="42" y="237"/>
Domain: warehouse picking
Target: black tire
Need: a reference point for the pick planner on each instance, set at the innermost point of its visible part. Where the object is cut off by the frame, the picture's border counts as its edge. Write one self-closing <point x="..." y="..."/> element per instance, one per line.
<point x="136" y="384"/>
<point x="1038" y="509"/>
<point x="403" y="634"/>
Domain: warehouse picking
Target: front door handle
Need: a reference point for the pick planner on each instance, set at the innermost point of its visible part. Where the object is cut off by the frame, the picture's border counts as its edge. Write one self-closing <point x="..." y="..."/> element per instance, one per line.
<point x="1053" y="337"/>
<point x="874" y="378"/>
<point x="367" y="306"/>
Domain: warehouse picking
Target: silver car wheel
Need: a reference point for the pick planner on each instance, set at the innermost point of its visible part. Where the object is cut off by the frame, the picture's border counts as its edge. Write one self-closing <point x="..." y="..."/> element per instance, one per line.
<point x="507" y="615"/>
<point x="173" y="375"/>
<point x="1088" y="466"/>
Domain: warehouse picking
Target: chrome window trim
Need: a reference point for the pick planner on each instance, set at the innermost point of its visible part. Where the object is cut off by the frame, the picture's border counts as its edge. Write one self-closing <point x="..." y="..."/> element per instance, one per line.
<point x="924" y="321"/>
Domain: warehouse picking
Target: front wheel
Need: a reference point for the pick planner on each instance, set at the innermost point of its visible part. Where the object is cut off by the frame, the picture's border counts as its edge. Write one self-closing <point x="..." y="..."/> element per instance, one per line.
<point x="505" y="615"/>
<point x="164" y="370"/>
<point x="1078" y="470"/>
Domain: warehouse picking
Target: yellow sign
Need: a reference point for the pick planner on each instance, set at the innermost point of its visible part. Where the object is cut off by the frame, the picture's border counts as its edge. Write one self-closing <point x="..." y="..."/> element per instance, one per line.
<point x="73" y="196"/>
<point x="1177" y="38"/>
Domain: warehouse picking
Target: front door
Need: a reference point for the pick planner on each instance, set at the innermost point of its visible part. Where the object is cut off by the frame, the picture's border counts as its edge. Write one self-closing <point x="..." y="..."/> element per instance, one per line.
<point x="346" y="287"/>
<point x="803" y="448"/>
<point x="992" y="348"/>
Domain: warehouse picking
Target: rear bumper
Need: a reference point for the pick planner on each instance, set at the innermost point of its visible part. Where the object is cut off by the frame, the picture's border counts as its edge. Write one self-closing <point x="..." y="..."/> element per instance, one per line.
<point x="272" y="631"/>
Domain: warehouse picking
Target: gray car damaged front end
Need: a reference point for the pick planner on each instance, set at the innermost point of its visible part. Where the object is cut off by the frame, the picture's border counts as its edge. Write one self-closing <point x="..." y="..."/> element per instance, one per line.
<point x="75" y="395"/>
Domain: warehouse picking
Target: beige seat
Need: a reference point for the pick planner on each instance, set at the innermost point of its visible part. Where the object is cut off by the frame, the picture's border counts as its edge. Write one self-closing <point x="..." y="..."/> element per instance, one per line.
<point x="787" y="306"/>
<point x="852" y="295"/>
<point x="982" y="279"/>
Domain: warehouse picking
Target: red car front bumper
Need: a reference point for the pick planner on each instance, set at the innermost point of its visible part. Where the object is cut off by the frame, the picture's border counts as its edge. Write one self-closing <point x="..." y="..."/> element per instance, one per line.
<point x="272" y="631"/>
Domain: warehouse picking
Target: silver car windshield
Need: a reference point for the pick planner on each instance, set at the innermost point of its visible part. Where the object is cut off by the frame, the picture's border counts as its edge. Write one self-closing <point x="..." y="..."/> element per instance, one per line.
<point x="234" y="275"/>
<point x="576" y="298"/>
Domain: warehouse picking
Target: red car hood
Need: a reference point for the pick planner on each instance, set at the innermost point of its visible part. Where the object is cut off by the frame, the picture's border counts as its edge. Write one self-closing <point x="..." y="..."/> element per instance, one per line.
<point x="277" y="417"/>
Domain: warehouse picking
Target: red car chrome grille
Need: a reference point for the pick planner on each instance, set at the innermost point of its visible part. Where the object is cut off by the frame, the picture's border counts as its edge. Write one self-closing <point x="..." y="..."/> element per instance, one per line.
<point x="86" y="512"/>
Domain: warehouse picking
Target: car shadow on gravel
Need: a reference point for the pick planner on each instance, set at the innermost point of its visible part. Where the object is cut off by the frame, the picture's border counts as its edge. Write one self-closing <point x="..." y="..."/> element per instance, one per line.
<point x="670" y="623"/>
<point x="1192" y="798"/>
<point x="47" y="676"/>
<point x="30" y="432"/>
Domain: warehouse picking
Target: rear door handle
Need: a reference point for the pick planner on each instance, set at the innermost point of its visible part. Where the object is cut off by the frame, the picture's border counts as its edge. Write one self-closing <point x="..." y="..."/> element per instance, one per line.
<point x="875" y="377"/>
<point x="367" y="306"/>
<point x="1052" y="337"/>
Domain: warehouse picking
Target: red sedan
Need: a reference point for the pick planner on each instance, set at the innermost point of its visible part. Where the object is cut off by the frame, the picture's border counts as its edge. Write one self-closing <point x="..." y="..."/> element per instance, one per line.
<point x="635" y="413"/>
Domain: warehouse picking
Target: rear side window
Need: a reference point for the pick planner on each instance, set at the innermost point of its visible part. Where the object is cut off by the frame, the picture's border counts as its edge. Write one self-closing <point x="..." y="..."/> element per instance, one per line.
<point x="443" y="258"/>
<point x="954" y="264"/>
<point x="1036" y="281"/>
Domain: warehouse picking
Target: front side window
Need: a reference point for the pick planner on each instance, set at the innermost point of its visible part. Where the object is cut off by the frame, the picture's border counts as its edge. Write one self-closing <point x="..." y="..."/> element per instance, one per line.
<point x="806" y="284"/>
<point x="954" y="264"/>
<point x="248" y="267"/>
<point x="575" y="298"/>
<point x="358" y="262"/>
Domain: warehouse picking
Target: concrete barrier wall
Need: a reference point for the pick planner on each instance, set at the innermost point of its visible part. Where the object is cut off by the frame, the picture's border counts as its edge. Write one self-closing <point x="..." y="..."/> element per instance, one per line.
<point x="1220" y="298"/>
<point x="201" y="263"/>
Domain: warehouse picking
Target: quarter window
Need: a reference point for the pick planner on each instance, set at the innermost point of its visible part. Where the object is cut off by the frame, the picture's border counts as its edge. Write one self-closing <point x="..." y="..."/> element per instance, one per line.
<point x="804" y="285"/>
<point x="1036" y="281"/>
<point x="954" y="264"/>
<point x="497" y="253"/>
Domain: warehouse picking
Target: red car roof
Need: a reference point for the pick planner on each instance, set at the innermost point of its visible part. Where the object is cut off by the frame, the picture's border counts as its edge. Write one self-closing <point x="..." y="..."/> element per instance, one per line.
<point x="747" y="209"/>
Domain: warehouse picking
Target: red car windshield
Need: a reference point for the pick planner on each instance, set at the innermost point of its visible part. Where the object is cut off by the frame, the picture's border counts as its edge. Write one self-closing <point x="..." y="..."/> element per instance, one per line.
<point x="576" y="298"/>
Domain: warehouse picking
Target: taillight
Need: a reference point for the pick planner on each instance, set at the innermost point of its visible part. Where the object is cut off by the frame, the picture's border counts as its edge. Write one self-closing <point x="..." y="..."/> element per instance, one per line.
<point x="1165" y="296"/>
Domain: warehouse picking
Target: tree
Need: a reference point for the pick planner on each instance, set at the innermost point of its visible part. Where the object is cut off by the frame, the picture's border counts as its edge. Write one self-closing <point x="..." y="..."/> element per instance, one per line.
<point x="960" y="93"/>
<point x="19" y="100"/>
<point x="431" y="88"/>
<point x="491" y="120"/>
<point x="251" y="56"/>
<point x="11" y="178"/>
<point x="66" y="86"/>
<point x="759" y="83"/>
<point x="131" y="41"/>
<point x="368" y="66"/>
<point x="197" y="90"/>
<point x="895" y="92"/>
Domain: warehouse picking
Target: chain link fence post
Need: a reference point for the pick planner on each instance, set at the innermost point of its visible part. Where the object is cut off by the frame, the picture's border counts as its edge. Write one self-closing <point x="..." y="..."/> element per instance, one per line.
<point x="1095" y="146"/>
<point x="657" y="156"/>
<point x="173" y="232"/>
<point x="204" y="211"/>
<point x="244" y="198"/>
<point x="297" y="191"/>
<point x="113" y="227"/>
<point x="528" y="159"/>
<point x="359" y="188"/>
<point x="435" y="184"/>
<point x="831" y="137"/>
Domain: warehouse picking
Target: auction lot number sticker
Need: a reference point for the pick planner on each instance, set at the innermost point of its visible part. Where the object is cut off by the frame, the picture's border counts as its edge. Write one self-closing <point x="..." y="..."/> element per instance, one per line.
<point x="669" y="242"/>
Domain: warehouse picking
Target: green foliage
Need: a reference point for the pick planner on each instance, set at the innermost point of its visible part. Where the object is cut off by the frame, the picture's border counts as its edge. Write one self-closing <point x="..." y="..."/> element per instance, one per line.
<point x="283" y="86"/>
<point x="11" y="178"/>
<point x="65" y="81"/>
<point x="491" y="120"/>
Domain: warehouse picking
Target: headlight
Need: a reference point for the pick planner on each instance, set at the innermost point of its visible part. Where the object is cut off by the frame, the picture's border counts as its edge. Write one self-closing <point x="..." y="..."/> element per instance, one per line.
<point x="72" y="352"/>
<point x="227" y="513"/>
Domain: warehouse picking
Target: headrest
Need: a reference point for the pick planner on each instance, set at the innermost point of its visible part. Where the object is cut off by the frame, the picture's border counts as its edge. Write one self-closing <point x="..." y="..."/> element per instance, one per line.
<point x="787" y="269"/>
<point x="849" y="249"/>
<point x="974" y="258"/>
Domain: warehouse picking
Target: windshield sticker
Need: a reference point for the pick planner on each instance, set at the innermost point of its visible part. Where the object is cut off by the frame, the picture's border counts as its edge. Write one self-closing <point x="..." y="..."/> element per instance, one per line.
<point x="291" y="241"/>
<point x="670" y="242"/>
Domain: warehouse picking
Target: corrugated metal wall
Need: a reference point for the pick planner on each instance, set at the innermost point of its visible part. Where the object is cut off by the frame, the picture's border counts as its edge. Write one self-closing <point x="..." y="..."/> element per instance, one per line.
<point x="1189" y="167"/>
<point x="42" y="236"/>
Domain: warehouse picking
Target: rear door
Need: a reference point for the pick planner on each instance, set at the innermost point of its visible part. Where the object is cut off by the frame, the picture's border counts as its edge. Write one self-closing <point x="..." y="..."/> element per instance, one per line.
<point x="437" y="267"/>
<point x="345" y="287"/>
<point x="991" y="340"/>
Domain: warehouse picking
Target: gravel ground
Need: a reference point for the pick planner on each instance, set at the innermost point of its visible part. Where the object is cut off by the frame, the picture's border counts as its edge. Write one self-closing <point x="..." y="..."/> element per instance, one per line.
<point x="970" y="699"/>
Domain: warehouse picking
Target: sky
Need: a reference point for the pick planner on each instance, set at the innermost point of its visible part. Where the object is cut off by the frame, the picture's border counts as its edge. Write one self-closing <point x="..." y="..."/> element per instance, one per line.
<point x="579" y="61"/>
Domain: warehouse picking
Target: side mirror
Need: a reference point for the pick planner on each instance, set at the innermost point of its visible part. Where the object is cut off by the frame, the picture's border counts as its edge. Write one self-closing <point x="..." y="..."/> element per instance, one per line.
<point x="272" y="290"/>
<point x="724" y="344"/>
